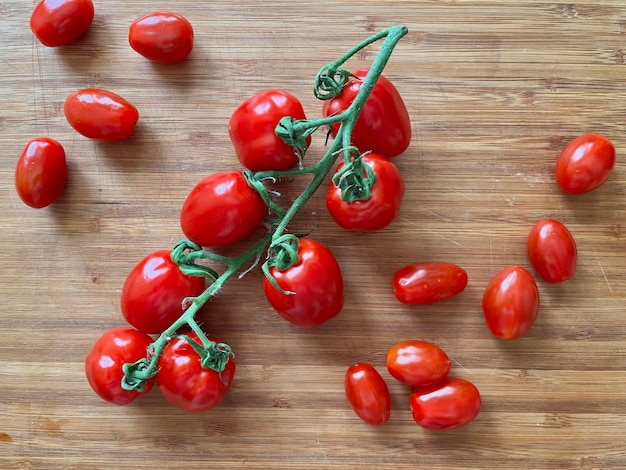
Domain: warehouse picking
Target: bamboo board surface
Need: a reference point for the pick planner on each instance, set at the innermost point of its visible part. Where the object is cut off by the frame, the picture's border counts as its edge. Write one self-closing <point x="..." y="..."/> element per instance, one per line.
<point x="495" y="90"/>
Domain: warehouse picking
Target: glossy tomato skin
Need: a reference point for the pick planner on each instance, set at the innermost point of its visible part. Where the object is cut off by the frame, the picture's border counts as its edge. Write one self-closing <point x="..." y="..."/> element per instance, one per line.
<point x="103" y="365"/>
<point x="100" y="114"/>
<point x="185" y="383"/>
<point x="448" y="404"/>
<point x="59" y="22"/>
<point x="428" y="282"/>
<point x="380" y="209"/>
<point x="153" y="293"/>
<point x="252" y="130"/>
<point x="222" y="209"/>
<point x="384" y="126"/>
<point x="418" y="363"/>
<point x="585" y="164"/>
<point x="41" y="172"/>
<point x="164" y="37"/>
<point x="368" y="394"/>
<point x="511" y="303"/>
<point x="317" y="285"/>
<point x="552" y="251"/>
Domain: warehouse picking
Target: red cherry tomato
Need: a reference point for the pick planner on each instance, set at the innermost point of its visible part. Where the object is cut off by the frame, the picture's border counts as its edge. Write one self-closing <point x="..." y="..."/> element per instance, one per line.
<point x="59" y="22"/>
<point x="103" y="365"/>
<point x="448" y="404"/>
<point x="368" y="394"/>
<point x="252" y="130"/>
<point x="384" y="126"/>
<point x="316" y="284"/>
<point x="100" y="114"/>
<point x="41" y="172"/>
<point x="511" y="303"/>
<point x="585" y="164"/>
<point x="162" y="36"/>
<point x="221" y="210"/>
<point x="552" y="251"/>
<point x="153" y="293"/>
<point x="418" y="363"/>
<point x="428" y="282"/>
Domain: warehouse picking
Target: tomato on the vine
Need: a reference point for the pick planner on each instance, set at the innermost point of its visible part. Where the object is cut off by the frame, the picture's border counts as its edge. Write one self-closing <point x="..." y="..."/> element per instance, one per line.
<point x="368" y="394"/>
<point x="552" y="251"/>
<point x="417" y="363"/>
<point x="162" y="36"/>
<point x="59" y="22"/>
<point x="428" y="282"/>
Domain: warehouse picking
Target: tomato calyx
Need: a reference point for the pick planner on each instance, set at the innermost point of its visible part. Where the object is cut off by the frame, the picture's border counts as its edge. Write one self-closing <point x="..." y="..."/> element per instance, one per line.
<point x="282" y="255"/>
<point x="213" y="355"/>
<point x="330" y="80"/>
<point x="355" y="179"/>
<point x="137" y="375"/>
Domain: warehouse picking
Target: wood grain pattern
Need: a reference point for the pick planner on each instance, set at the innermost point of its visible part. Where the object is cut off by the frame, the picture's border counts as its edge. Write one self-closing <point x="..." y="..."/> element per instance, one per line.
<point x="495" y="90"/>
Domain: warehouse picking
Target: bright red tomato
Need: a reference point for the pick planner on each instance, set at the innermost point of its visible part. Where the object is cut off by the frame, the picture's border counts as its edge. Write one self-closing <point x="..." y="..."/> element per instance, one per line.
<point x="428" y="282"/>
<point x="511" y="303"/>
<point x="221" y="210"/>
<point x="552" y="251"/>
<point x="100" y="114"/>
<point x="448" y="404"/>
<point x="384" y="126"/>
<point x="252" y="131"/>
<point x="185" y="383"/>
<point x="380" y="209"/>
<point x="417" y="363"/>
<point x="317" y="285"/>
<point x="59" y="22"/>
<point x="153" y="293"/>
<point x="103" y="365"/>
<point x="585" y="164"/>
<point x="41" y="172"/>
<point x="162" y="36"/>
<point x="368" y="394"/>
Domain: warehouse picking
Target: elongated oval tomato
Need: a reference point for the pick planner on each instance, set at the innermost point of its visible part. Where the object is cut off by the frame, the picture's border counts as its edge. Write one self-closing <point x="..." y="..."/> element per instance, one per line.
<point x="368" y="394"/>
<point x="100" y="114"/>
<point x="552" y="251"/>
<point x="417" y="363"/>
<point x="428" y="282"/>
<point x="41" y="172"/>
<point x="59" y="22"/>
<point x="162" y="36"/>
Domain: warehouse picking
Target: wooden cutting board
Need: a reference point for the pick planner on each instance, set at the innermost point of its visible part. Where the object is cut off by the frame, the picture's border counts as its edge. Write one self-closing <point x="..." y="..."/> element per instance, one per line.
<point x="495" y="90"/>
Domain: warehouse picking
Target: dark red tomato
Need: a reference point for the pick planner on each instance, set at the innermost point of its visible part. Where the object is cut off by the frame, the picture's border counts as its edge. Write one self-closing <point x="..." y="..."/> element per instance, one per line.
<point x="428" y="282"/>
<point x="104" y="362"/>
<point x="511" y="303"/>
<point x="222" y="209"/>
<point x="153" y="293"/>
<point x="41" y="172"/>
<point x="585" y="164"/>
<point x="162" y="36"/>
<point x="185" y="383"/>
<point x="418" y="363"/>
<point x="100" y="114"/>
<point x="252" y="130"/>
<point x="316" y="284"/>
<point x="448" y="404"/>
<point x="380" y="209"/>
<point x="552" y="251"/>
<point x="59" y="22"/>
<point x="368" y="394"/>
<point x="384" y="126"/>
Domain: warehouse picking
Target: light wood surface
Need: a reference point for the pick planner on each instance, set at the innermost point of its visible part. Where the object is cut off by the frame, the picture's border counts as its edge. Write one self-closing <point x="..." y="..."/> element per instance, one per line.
<point x="495" y="90"/>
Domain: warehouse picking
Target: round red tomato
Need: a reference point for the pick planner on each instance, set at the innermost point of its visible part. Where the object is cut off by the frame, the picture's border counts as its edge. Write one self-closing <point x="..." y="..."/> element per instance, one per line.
<point x="384" y="126"/>
<point x="41" y="172"/>
<point x="552" y="251"/>
<point x="313" y="287"/>
<point x="428" y="282"/>
<point x="418" y="363"/>
<point x="104" y="362"/>
<point x="585" y="164"/>
<point x="188" y="385"/>
<point x="448" y="404"/>
<point x="153" y="293"/>
<point x="162" y="36"/>
<point x="59" y="22"/>
<point x="252" y="131"/>
<point x="511" y="303"/>
<point x="368" y="394"/>
<point x="222" y="209"/>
